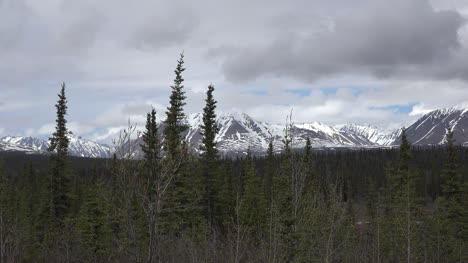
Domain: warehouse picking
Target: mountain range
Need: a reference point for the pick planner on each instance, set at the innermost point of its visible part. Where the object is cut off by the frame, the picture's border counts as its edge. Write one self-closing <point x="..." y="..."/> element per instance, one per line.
<point x="239" y="133"/>
<point x="78" y="146"/>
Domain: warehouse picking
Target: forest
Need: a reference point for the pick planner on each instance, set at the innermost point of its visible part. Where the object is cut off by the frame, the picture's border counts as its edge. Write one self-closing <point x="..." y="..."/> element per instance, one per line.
<point x="404" y="204"/>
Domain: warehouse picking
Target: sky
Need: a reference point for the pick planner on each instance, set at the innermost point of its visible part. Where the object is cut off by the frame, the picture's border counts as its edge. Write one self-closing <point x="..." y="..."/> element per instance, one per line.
<point x="376" y="62"/>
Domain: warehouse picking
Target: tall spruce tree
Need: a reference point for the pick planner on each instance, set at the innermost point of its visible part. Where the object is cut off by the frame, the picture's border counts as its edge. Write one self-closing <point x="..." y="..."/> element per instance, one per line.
<point x="283" y="197"/>
<point x="175" y="121"/>
<point x="151" y="146"/>
<point x="183" y="197"/>
<point x="152" y="183"/>
<point x="59" y="180"/>
<point x="209" y="129"/>
<point x="453" y="186"/>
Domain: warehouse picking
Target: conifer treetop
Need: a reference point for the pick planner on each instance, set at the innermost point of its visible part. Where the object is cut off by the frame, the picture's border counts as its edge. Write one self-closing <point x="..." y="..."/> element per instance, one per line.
<point x="59" y="141"/>
<point x="175" y="121"/>
<point x="209" y="128"/>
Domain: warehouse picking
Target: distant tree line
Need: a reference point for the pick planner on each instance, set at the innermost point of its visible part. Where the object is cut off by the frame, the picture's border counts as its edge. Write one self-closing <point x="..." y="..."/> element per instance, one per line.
<point x="178" y="205"/>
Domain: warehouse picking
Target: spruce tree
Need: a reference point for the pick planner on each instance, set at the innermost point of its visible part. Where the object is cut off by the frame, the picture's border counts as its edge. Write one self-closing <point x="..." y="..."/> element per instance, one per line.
<point x="450" y="219"/>
<point x="59" y="140"/>
<point x="58" y="186"/>
<point x="283" y="197"/>
<point x="93" y="222"/>
<point x="253" y="210"/>
<point x="56" y="201"/>
<point x="311" y="181"/>
<point x="404" y="220"/>
<point x="183" y="197"/>
<point x="151" y="146"/>
<point x="453" y="186"/>
<point x="269" y="173"/>
<point x="175" y="121"/>
<point x="152" y="183"/>
<point x="209" y="129"/>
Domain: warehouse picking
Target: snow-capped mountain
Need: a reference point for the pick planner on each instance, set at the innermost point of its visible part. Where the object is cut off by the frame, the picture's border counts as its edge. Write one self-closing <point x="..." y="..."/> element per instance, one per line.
<point x="372" y="133"/>
<point x="238" y="132"/>
<point x="78" y="146"/>
<point x="431" y="128"/>
<point x="10" y="147"/>
<point x="33" y="143"/>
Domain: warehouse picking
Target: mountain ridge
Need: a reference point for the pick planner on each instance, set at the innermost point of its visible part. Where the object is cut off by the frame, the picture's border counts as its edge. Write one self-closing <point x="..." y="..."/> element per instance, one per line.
<point x="240" y="133"/>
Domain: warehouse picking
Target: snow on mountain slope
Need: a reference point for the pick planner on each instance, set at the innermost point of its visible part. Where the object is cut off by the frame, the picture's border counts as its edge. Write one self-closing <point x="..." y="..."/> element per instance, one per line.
<point x="34" y="143"/>
<point x="431" y="128"/>
<point x="78" y="146"/>
<point x="10" y="147"/>
<point x="374" y="134"/>
<point x="238" y="132"/>
<point x="85" y="148"/>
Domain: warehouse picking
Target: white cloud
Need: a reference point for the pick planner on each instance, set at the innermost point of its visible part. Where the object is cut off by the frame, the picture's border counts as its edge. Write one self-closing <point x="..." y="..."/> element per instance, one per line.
<point x="419" y="109"/>
<point x="118" y="57"/>
<point x="46" y="129"/>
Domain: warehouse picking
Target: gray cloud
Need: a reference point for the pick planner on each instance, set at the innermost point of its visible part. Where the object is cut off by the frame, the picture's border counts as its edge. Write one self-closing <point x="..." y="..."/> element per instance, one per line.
<point x="386" y="39"/>
<point x="12" y="25"/>
<point x="117" y="57"/>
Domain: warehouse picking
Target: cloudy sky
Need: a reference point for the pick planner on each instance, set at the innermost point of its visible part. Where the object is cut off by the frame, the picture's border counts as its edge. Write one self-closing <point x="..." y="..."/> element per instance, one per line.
<point x="377" y="62"/>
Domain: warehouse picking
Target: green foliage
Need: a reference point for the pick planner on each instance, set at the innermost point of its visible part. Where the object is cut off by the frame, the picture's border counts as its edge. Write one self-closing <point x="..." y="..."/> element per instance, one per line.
<point x="453" y="189"/>
<point x="59" y="140"/>
<point x="403" y="210"/>
<point x="270" y="169"/>
<point x="58" y="185"/>
<point x="209" y="157"/>
<point x="93" y="221"/>
<point x="175" y="121"/>
<point x="151" y="148"/>
<point x="209" y="127"/>
<point x="450" y="218"/>
<point x="253" y="212"/>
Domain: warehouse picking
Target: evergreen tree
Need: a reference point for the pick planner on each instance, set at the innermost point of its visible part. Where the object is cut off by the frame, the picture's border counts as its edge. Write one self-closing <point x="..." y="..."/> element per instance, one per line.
<point x="209" y="158"/>
<point x="311" y="180"/>
<point x="59" y="140"/>
<point x="93" y="222"/>
<point x="404" y="219"/>
<point x="450" y="216"/>
<point x="56" y="195"/>
<point x="283" y="198"/>
<point x="183" y="197"/>
<point x="28" y="208"/>
<point x="453" y="186"/>
<point x="269" y="173"/>
<point x="8" y="214"/>
<point x="308" y="149"/>
<point x="152" y="183"/>
<point x="175" y="121"/>
<point x="209" y="128"/>
<point x="253" y="211"/>
<point x="59" y="183"/>
<point x="151" y="147"/>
